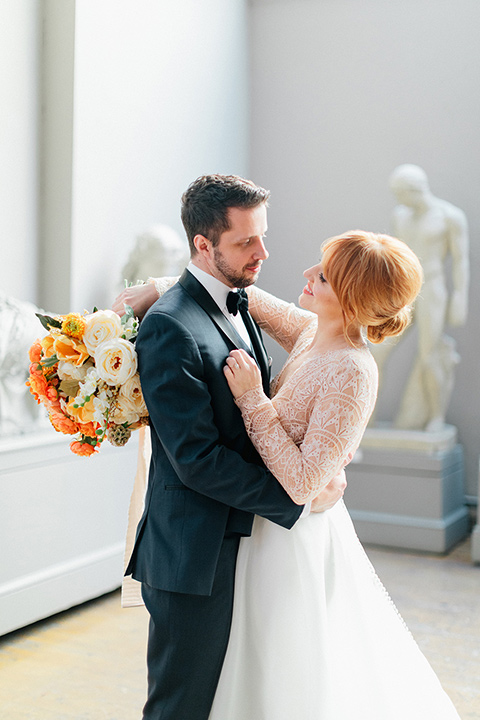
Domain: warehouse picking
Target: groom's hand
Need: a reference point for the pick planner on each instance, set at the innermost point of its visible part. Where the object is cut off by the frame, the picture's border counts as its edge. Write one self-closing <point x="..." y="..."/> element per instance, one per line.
<point x="331" y="494"/>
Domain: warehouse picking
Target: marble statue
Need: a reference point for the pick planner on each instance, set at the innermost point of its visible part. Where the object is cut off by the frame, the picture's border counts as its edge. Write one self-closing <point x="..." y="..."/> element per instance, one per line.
<point x="158" y="251"/>
<point x="19" y="329"/>
<point x="438" y="233"/>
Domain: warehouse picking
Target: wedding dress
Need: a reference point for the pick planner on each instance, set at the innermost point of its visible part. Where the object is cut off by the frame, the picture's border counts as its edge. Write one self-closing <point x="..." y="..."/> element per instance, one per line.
<point x="315" y="635"/>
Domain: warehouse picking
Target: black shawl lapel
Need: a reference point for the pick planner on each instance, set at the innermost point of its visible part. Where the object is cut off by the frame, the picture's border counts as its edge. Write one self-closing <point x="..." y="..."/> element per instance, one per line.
<point x="196" y="290"/>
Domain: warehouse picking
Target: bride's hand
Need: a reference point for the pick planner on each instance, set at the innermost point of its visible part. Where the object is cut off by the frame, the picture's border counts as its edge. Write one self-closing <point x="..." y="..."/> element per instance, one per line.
<point x="331" y="494"/>
<point x="139" y="297"/>
<point x="242" y="373"/>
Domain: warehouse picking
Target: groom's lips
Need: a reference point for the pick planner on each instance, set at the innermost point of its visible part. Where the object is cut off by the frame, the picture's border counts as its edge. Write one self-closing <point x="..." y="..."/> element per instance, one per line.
<point x="254" y="268"/>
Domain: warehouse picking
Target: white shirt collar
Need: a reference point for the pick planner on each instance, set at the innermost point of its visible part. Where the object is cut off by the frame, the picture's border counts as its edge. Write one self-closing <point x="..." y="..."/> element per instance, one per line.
<point x="218" y="292"/>
<point x="216" y="288"/>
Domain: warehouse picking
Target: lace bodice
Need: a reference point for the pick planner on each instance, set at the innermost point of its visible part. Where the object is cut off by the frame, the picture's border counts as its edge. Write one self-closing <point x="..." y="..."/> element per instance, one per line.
<point x="318" y="414"/>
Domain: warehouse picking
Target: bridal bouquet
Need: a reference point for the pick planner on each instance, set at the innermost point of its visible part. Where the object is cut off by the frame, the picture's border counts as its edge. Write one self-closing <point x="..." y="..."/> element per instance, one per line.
<point x="84" y="371"/>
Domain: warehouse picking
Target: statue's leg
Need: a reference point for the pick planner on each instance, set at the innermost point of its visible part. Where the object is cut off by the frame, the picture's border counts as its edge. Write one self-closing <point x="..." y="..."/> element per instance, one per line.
<point x="436" y="374"/>
<point x="413" y="412"/>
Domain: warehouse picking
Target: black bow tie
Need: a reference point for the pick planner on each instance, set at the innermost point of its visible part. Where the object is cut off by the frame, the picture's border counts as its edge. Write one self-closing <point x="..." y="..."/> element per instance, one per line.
<point x="236" y="301"/>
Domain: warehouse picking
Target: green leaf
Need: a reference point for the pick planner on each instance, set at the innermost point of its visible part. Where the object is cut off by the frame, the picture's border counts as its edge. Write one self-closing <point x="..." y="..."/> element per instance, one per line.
<point x="129" y="314"/>
<point x="95" y="309"/>
<point x="48" y="321"/>
<point x="50" y="362"/>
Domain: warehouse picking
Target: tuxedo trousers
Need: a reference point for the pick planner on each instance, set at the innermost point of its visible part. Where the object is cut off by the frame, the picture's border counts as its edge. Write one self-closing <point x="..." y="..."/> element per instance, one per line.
<point x="187" y="641"/>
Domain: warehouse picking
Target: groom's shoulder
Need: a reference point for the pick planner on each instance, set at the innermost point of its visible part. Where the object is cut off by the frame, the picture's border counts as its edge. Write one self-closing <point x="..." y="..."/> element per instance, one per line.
<point x="175" y="304"/>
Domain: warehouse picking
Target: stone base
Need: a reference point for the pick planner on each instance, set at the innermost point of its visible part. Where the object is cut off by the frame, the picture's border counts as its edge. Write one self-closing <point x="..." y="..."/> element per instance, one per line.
<point x="476" y="529"/>
<point x="405" y="490"/>
<point x="63" y="521"/>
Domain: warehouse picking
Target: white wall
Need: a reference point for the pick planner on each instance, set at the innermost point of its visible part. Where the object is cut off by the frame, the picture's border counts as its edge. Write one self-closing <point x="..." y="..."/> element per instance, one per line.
<point x="19" y="24"/>
<point x="160" y="98"/>
<point x="342" y="93"/>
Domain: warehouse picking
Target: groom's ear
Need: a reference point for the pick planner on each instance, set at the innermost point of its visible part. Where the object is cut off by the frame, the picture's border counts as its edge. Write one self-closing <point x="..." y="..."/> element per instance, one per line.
<point x="202" y="245"/>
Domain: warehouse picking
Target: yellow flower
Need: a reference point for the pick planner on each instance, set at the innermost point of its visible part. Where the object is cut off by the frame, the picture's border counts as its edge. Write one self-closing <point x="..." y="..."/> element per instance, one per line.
<point x="47" y="346"/>
<point x="67" y="348"/>
<point x="83" y="415"/>
<point x="74" y="325"/>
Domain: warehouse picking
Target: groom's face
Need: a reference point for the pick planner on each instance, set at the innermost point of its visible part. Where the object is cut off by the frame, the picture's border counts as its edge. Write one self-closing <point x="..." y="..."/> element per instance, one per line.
<point x="238" y="257"/>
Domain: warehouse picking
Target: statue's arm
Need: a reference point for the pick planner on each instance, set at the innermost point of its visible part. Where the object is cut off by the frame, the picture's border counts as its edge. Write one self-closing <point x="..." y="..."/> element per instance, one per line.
<point x="458" y="248"/>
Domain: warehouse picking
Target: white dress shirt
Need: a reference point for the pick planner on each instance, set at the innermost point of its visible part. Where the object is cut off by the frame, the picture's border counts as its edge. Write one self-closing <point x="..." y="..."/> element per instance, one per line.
<point x="219" y="291"/>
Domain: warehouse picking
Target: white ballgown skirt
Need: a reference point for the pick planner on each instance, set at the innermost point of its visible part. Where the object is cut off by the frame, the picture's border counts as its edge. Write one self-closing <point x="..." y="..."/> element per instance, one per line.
<point x="315" y="635"/>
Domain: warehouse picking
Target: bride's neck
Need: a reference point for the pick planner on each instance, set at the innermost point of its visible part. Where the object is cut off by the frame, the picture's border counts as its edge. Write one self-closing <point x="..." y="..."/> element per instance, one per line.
<point x="331" y="336"/>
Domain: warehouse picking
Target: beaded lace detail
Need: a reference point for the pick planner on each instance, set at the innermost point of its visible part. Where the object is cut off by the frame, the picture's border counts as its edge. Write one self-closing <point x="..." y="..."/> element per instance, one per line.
<point x="318" y="414"/>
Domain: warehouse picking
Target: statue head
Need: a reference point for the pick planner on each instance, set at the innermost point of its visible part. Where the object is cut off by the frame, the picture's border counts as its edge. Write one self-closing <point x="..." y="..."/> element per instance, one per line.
<point x="409" y="183"/>
<point x="158" y="251"/>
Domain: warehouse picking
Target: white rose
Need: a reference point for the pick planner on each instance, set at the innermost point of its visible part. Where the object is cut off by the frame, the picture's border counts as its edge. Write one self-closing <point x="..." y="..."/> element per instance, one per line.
<point x="116" y="361"/>
<point x="101" y="326"/>
<point x="69" y="371"/>
<point x="130" y="406"/>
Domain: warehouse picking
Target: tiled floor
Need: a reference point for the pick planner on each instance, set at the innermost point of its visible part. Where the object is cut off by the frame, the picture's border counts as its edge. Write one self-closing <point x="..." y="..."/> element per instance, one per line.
<point x="88" y="663"/>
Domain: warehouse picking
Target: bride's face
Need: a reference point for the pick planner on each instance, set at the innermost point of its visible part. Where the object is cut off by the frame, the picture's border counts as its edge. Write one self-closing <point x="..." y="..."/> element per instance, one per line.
<point x="318" y="295"/>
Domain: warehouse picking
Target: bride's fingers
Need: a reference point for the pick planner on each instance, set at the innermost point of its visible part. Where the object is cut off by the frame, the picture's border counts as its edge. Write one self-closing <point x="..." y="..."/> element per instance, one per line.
<point x="232" y="363"/>
<point x="243" y="359"/>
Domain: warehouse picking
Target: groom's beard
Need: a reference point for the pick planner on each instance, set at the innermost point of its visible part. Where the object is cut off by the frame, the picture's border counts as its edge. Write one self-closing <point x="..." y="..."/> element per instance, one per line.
<point x="235" y="278"/>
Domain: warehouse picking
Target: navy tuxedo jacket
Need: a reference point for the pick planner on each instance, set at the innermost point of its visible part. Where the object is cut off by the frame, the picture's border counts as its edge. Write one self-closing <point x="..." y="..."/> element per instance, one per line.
<point x="206" y="480"/>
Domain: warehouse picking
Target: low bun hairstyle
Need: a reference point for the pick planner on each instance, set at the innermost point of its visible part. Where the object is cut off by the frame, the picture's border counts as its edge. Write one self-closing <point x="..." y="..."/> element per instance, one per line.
<point x="376" y="278"/>
<point x="391" y="327"/>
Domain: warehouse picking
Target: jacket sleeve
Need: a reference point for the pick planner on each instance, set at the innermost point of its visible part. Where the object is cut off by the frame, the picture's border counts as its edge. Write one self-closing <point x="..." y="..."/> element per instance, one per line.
<point x="178" y="398"/>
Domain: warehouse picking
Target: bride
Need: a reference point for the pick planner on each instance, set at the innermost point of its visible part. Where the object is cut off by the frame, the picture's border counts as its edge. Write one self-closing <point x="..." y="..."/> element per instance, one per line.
<point x="314" y="634"/>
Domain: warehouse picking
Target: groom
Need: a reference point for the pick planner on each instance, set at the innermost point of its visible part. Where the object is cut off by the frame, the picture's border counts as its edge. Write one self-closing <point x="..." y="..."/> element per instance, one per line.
<point x="206" y="480"/>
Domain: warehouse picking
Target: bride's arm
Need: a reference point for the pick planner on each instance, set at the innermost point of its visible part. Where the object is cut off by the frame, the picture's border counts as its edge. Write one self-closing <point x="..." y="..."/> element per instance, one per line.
<point x="141" y="297"/>
<point x="281" y="320"/>
<point x="338" y="417"/>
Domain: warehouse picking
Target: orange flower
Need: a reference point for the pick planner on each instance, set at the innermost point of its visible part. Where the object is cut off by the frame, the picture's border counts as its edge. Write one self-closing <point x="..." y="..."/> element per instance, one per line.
<point x="35" y="352"/>
<point x="88" y="429"/>
<point x="63" y="424"/>
<point x="38" y="386"/>
<point x="84" y="449"/>
<point x="51" y="393"/>
<point x="73" y="325"/>
<point x="35" y="369"/>
<point x="68" y="348"/>
<point x="83" y="414"/>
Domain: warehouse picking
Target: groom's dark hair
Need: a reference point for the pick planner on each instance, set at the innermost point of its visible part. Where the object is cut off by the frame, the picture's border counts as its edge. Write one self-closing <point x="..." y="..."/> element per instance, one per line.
<point x="206" y="201"/>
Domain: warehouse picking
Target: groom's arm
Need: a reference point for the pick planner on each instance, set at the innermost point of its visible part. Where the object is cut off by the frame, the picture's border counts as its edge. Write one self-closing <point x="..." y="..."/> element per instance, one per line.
<point x="179" y="403"/>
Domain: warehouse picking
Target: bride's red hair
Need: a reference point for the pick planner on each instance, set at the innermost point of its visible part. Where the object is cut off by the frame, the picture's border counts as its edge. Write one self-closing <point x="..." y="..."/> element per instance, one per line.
<point x="376" y="278"/>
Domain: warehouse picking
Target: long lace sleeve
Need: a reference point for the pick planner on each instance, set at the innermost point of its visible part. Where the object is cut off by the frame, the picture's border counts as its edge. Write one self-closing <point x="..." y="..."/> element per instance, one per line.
<point x="333" y="402"/>
<point x="281" y="320"/>
<point x="162" y="284"/>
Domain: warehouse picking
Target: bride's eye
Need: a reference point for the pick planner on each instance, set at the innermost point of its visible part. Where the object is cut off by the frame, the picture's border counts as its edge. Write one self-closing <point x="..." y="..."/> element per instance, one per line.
<point x="322" y="278"/>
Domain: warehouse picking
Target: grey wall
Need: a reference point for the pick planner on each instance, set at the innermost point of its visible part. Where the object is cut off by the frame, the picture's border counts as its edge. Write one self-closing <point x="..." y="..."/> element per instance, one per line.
<point x="341" y="93"/>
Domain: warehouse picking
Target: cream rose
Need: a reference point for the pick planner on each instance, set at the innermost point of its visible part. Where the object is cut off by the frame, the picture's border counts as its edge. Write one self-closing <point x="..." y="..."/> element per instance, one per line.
<point x="101" y="326"/>
<point x="116" y="361"/>
<point x="69" y="371"/>
<point x="130" y="406"/>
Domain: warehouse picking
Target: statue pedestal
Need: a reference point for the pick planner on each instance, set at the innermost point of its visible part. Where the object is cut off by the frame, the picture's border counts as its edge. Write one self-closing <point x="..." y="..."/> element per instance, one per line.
<point x="476" y="530"/>
<point x="63" y="521"/>
<point x="405" y="489"/>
